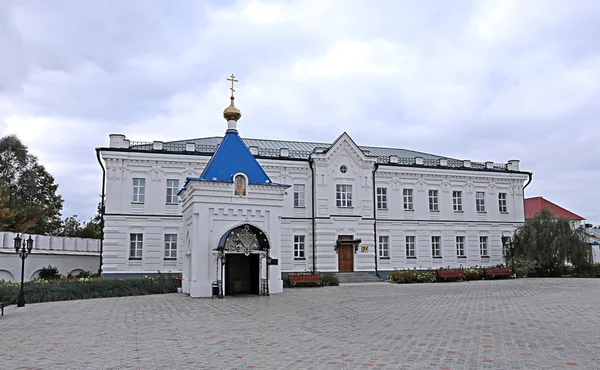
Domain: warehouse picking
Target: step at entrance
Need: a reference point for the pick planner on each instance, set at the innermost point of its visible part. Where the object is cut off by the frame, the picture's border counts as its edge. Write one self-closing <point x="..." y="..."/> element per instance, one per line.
<point x="357" y="277"/>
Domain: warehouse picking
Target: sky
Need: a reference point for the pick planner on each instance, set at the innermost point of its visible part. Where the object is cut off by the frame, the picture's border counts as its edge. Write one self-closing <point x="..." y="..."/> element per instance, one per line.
<point x="478" y="80"/>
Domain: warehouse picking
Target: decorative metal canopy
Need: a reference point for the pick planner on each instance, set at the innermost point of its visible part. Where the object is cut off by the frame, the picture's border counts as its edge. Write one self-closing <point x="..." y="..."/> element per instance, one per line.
<point x="244" y="239"/>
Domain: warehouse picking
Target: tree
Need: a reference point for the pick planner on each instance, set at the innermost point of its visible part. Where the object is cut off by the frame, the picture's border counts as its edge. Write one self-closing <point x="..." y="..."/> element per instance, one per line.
<point x="72" y="227"/>
<point x="551" y="242"/>
<point x="31" y="193"/>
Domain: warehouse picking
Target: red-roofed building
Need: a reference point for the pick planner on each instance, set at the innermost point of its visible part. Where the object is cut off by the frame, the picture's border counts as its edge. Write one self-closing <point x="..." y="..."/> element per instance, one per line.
<point x="536" y="204"/>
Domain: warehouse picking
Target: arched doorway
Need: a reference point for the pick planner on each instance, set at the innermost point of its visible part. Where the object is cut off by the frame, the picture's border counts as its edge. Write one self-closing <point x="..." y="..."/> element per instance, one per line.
<point x="242" y="254"/>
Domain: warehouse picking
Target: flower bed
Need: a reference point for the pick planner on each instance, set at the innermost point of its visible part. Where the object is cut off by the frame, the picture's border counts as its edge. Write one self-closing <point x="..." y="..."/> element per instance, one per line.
<point x="71" y="289"/>
<point x="432" y="276"/>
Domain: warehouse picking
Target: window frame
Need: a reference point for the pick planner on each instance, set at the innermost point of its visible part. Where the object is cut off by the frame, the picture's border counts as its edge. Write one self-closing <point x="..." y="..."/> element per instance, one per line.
<point x="436" y="246"/>
<point x="503" y="202"/>
<point x="383" y="246"/>
<point x="407" y="197"/>
<point x="136" y="247"/>
<point x="484" y="245"/>
<point x="434" y="200"/>
<point x="138" y="190"/>
<point x="457" y="201"/>
<point x="460" y="246"/>
<point x="299" y="247"/>
<point x="480" y="202"/>
<point x="299" y="196"/>
<point x="410" y="243"/>
<point x="343" y="195"/>
<point x="382" y="203"/>
<point x="174" y="190"/>
<point x="170" y="246"/>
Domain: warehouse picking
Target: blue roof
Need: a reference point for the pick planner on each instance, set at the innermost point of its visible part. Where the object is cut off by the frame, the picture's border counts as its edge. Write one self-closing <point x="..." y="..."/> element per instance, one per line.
<point x="233" y="156"/>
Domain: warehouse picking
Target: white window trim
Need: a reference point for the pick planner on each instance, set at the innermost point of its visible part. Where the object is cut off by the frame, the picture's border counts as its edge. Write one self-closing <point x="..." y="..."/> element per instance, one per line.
<point x="382" y="199"/>
<point x="299" y="195"/>
<point x="410" y="246"/>
<point x="173" y="198"/>
<point x="407" y="197"/>
<point x="480" y="202"/>
<point x="299" y="247"/>
<point x="136" y="247"/>
<point x="384" y="246"/>
<point x="139" y="196"/>
<point x="503" y="203"/>
<point x="170" y="247"/>
<point x="460" y="246"/>
<point x="436" y="252"/>
<point x="343" y="195"/>
<point x="457" y="200"/>
<point x="434" y="200"/>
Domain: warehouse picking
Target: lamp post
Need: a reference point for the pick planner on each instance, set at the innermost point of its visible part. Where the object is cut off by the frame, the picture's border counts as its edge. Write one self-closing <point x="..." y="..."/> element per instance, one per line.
<point x="23" y="250"/>
<point x="509" y="247"/>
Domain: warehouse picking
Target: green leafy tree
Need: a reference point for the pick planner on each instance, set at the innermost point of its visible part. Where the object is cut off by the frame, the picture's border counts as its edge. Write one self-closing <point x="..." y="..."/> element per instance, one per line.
<point x="72" y="227"/>
<point x="31" y="193"/>
<point x="551" y="243"/>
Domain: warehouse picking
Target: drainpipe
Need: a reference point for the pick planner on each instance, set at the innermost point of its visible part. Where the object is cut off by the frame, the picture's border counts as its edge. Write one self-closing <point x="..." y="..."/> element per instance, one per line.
<point x="314" y="201"/>
<point x="102" y="206"/>
<point x="530" y="175"/>
<point x="375" y="217"/>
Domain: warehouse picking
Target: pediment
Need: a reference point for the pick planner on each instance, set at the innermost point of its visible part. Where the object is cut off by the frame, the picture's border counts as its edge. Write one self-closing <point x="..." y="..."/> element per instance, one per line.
<point x="344" y="145"/>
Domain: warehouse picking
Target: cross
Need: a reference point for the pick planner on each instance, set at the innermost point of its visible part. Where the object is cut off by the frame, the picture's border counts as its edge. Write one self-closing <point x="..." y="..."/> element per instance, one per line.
<point x="233" y="80"/>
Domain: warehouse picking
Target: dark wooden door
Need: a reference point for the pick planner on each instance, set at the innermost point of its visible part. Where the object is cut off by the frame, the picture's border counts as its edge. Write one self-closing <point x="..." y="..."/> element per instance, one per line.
<point x="346" y="258"/>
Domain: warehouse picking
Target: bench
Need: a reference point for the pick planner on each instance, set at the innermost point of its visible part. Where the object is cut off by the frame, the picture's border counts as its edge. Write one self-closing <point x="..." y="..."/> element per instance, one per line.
<point x="305" y="278"/>
<point x="497" y="271"/>
<point x="449" y="274"/>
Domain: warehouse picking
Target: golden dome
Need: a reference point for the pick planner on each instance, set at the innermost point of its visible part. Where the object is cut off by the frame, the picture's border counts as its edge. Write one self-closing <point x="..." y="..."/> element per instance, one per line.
<point x="231" y="113"/>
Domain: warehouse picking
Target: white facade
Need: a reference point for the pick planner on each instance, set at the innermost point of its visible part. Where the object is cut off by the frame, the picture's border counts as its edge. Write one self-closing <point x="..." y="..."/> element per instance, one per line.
<point x="69" y="255"/>
<point x="476" y="204"/>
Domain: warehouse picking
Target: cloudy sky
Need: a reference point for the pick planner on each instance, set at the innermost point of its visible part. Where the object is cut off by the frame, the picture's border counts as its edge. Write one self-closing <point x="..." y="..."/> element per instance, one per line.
<point x="479" y="80"/>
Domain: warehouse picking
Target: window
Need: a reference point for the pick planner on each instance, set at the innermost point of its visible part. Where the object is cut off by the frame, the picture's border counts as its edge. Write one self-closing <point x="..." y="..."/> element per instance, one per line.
<point x="436" y="250"/>
<point x="410" y="247"/>
<point x="139" y="190"/>
<point x="172" y="190"/>
<point x="384" y="246"/>
<point x="502" y="202"/>
<point x="299" y="195"/>
<point x="460" y="246"/>
<point x="136" y="244"/>
<point x="298" y="246"/>
<point x="480" y="201"/>
<point x="170" y="246"/>
<point x="433" y="200"/>
<point x="408" y="199"/>
<point x="483" y="246"/>
<point x="343" y="169"/>
<point x="457" y="201"/>
<point x="343" y="195"/>
<point x="381" y="198"/>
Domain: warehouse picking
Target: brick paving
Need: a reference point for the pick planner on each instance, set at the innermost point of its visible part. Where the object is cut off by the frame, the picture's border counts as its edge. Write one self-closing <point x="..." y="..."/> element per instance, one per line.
<point x="522" y="324"/>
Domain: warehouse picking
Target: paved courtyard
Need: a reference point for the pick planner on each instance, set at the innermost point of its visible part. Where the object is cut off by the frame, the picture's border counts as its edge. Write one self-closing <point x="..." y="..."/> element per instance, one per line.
<point x="522" y="324"/>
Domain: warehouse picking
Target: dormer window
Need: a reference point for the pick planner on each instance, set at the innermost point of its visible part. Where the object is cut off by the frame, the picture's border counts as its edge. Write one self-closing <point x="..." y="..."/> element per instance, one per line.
<point x="240" y="183"/>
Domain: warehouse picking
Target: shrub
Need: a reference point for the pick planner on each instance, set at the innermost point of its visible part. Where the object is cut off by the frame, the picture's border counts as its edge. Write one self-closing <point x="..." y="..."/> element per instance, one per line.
<point x="66" y="290"/>
<point x="474" y="273"/>
<point x="330" y="280"/>
<point x="412" y="276"/>
<point x="49" y="273"/>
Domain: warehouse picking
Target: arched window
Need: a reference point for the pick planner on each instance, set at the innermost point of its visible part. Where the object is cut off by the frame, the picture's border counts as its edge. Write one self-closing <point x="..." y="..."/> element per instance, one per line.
<point x="240" y="185"/>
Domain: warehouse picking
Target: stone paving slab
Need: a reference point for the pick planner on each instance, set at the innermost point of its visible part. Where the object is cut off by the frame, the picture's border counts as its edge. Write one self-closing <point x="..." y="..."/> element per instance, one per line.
<point x="509" y="324"/>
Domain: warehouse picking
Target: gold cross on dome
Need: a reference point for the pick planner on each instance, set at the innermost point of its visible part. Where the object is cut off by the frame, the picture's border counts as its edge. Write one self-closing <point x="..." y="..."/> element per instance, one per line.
<point x="233" y="80"/>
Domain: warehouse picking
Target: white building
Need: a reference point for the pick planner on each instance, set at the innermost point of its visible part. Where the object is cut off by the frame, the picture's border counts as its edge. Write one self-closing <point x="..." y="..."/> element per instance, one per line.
<point x="346" y="208"/>
<point x="68" y="255"/>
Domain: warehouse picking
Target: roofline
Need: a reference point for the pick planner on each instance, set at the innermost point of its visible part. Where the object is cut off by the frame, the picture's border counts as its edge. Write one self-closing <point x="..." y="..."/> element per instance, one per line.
<point x="209" y="154"/>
